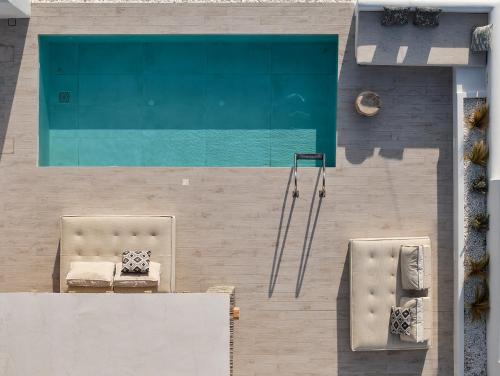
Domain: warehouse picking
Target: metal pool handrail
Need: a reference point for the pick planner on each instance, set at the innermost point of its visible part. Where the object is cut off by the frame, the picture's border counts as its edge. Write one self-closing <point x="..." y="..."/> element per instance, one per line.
<point x="313" y="157"/>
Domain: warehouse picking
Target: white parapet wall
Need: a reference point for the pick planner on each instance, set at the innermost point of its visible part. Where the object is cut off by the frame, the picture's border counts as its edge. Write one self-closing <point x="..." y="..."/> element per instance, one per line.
<point x="466" y="6"/>
<point x="446" y="45"/>
<point x="463" y="85"/>
<point x="493" y="334"/>
<point x="114" y="334"/>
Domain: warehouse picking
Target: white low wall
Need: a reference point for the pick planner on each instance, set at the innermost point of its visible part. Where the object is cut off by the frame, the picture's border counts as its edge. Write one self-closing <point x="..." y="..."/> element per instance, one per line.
<point x="493" y="333"/>
<point x="114" y="334"/>
<point x="466" y="6"/>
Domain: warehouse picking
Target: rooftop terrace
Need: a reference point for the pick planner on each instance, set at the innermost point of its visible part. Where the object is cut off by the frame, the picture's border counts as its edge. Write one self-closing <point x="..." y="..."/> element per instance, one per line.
<point x="287" y="258"/>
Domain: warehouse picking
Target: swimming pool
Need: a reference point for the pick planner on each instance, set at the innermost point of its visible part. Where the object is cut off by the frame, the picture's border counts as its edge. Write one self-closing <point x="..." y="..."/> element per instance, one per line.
<point x="194" y="100"/>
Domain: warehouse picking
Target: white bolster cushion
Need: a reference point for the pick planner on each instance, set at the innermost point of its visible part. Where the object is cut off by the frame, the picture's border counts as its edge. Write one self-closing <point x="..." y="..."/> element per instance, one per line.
<point x="90" y="274"/>
<point x="416" y="307"/>
<point x="149" y="279"/>
<point x="412" y="267"/>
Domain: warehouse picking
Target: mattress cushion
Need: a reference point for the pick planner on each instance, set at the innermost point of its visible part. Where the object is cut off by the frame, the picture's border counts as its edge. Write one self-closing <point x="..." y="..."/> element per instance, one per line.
<point x="90" y="274"/>
<point x="149" y="279"/>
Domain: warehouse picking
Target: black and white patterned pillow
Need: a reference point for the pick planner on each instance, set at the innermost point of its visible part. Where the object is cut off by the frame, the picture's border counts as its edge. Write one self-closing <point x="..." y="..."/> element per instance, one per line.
<point x="400" y="320"/>
<point x="136" y="261"/>
<point x="427" y="17"/>
<point x="394" y="16"/>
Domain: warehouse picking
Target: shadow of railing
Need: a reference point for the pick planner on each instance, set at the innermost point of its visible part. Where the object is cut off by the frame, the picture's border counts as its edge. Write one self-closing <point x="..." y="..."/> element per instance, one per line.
<point x="308" y="237"/>
<point x="279" y="247"/>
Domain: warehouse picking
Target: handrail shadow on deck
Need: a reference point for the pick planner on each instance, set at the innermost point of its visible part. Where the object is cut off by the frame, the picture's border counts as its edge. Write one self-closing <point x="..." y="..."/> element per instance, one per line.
<point x="308" y="237"/>
<point x="280" y="243"/>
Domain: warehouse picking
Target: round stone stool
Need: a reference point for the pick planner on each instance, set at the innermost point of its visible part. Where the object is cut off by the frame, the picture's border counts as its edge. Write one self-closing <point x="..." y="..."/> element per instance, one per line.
<point x="368" y="103"/>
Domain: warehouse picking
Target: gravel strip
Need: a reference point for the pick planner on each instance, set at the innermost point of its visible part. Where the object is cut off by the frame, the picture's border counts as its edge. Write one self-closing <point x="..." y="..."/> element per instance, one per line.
<point x="475" y="248"/>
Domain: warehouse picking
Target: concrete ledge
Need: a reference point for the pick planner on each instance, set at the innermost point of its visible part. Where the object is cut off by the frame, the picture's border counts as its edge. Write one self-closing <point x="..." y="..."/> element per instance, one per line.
<point x="446" y="45"/>
<point x="112" y="334"/>
<point x="466" y="6"/>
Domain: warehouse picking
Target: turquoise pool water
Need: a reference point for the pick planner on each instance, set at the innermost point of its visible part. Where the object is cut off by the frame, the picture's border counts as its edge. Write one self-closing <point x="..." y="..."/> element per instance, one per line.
<point x="186" y="100"/>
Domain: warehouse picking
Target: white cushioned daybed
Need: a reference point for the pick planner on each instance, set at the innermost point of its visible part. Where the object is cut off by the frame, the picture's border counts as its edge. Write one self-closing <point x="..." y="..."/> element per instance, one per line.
<point x="375" y="286"/>
<point x="102" y="239"/>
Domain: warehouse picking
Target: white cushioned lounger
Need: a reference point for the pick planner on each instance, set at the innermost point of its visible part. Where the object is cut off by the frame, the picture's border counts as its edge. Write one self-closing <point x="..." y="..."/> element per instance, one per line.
<point x="375" y="286"/>
<point x="104" y="238"/>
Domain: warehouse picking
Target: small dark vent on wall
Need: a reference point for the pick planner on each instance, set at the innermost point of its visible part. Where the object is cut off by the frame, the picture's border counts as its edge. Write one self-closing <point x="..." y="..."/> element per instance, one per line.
<point x="64" y="97"/>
